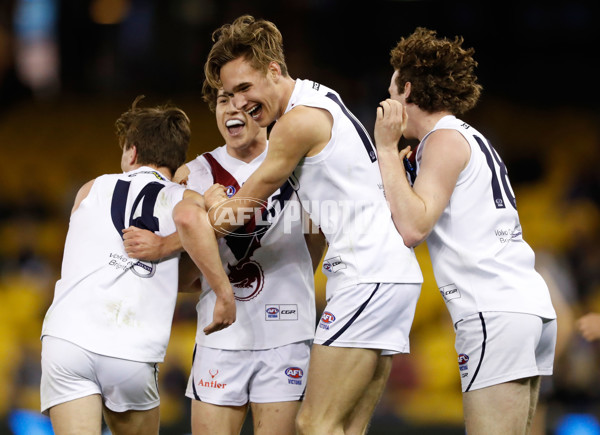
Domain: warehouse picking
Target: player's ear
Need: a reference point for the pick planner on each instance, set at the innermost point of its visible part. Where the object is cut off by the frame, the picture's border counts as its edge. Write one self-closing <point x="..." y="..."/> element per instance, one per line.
<point x="274" y="70"/>
<point x="133" y="155"/>
<point x="407" y="87"/>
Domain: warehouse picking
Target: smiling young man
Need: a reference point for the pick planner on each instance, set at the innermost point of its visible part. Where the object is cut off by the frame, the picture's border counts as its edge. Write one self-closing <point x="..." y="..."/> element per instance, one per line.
<point x="462" y="203"/>
<point x="373" y="279"/>
<point x="261" y="361"/>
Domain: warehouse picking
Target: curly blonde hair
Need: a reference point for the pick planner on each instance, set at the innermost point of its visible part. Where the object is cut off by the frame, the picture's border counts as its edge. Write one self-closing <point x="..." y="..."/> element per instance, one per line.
<point x="257" y="41"/>
<point x="440" y="71"/>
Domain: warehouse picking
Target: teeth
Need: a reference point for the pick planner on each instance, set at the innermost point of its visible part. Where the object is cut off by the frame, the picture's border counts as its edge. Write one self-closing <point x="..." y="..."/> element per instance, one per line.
<point x="233" y="123"/>
<point x="251" y="111"/>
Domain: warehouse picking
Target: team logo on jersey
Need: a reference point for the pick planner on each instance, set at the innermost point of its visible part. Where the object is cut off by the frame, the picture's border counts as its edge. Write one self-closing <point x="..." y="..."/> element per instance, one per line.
<point x="449" y="292"/>
<point x="281" y="312"/>
<point x="230" y="191"/>
<point x="247" y="279"/>
<point x="295" y="375"/>
<point x="334" y="264"/>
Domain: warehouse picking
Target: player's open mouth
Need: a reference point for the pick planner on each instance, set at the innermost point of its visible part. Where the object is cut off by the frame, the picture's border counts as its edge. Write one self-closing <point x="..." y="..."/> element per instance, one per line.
<point x="235" y="126"/>
<point x="255" y="111"/>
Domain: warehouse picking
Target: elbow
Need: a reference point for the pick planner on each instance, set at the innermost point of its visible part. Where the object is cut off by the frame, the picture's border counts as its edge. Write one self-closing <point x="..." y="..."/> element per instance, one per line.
<point x="185" y="215"/>
<point x="412" y="237"/>
<point x="413" y="241"/>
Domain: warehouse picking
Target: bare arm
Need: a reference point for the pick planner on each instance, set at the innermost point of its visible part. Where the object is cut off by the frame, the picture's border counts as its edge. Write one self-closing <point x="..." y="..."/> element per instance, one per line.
<point x="198" y="239"/>
<point x="295" y="135"/>
<point x="416" y="210"/>
<point x="146" y="245"/>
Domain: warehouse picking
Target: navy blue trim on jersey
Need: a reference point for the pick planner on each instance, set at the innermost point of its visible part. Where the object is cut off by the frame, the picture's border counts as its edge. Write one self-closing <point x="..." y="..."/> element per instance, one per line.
<point x="498" y="198"/>
<point x="351" y="321"/>
<point x="118" y="204"/>
<point x="357" y="125"/>
<point x="482" y="352"/>
<point x="193" y="381"/>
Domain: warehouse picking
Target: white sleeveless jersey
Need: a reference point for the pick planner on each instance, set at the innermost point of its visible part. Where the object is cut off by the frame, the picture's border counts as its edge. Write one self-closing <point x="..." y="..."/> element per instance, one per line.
<point x="106" y="302"/>
<point x="268" y="264"/>
<point x="342" y="189"/>
<point x="480" y="260"/>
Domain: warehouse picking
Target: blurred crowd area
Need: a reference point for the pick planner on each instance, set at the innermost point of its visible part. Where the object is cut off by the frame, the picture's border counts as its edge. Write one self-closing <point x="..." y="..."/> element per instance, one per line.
<point x="69" y="69"/>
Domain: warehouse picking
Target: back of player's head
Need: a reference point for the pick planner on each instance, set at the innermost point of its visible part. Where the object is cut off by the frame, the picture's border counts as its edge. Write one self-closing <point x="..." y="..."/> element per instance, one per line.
<point x="440" y="71"/>
<point x="160" y="134"/>
<point x="257" y="41"/>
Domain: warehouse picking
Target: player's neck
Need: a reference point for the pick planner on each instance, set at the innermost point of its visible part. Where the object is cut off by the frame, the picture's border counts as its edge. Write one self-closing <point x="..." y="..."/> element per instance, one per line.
<point x="427" y="121"/>
<point x="163" y="170"/>
<point x="248" y="153"/>
<point x="288" y="84"/>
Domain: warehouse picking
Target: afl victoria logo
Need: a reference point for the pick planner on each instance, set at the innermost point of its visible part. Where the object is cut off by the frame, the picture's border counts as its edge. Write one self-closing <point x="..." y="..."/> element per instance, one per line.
<point x="294" y="372"/>
<point x="462" y="359"/>
<point x="327" y="317"/>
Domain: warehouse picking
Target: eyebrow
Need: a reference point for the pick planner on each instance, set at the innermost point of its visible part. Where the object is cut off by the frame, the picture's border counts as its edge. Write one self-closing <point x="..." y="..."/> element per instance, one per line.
<point x="239" y="87"/>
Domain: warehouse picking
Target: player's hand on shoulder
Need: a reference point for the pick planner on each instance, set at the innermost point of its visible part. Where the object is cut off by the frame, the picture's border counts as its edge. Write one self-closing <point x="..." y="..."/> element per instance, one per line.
<point x="181" y="175"/>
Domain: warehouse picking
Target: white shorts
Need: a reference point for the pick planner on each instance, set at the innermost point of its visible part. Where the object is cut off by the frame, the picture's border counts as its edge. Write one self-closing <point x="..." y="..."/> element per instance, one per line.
<point x="497" y="347"/>
<point x="70" y="372"/>
<point x="370" y="316"/>
<point x="236" y="377"/>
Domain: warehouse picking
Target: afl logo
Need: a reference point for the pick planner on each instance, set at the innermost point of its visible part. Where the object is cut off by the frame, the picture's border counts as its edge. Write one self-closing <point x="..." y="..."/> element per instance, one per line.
<point x="327" y="317"/>
<point x="462" y="359"/>
<point x="294" y="372"/>
<point x="272" y="311"/>
<point x="250" y="212"/>
<point x="230" y="191"/>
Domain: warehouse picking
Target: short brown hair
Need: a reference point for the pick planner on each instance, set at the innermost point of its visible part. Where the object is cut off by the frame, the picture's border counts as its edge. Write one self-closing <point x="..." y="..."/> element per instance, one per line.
<point x="440" y="71"/>
<point x="257" y="41"/>
<point x="160" y="134"/>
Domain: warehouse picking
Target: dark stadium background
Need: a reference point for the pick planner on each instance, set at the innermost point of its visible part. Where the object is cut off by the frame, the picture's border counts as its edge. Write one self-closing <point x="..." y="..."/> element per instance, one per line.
<point x="69" y="68"/>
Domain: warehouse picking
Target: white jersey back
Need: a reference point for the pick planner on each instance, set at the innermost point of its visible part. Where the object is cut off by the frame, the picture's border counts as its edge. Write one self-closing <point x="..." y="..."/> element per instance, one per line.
<point x="106" y="302"/>
<point x="480" y="260"/>
<point x="268" y="264"/>
<point x="342" y="189"/>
